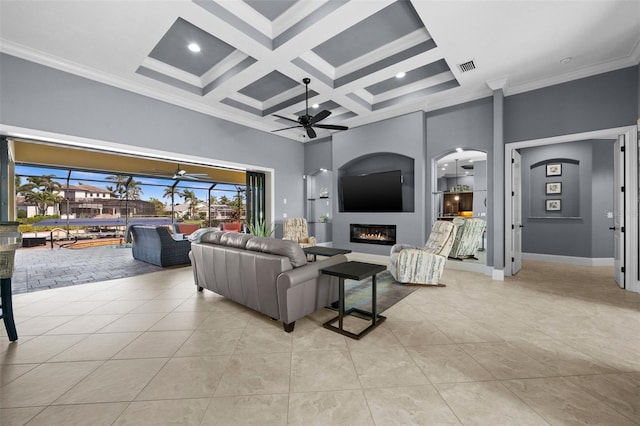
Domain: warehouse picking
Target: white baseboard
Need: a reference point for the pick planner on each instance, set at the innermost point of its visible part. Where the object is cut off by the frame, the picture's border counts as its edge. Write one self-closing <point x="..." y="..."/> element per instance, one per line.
<point x="468" y="266"/>
<point x="569" y="260"/>
<point x="497" y="274"/>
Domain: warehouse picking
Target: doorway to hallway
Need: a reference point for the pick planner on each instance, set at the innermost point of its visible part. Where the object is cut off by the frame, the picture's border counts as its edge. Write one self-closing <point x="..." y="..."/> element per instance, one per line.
<point x="571" y="212"/>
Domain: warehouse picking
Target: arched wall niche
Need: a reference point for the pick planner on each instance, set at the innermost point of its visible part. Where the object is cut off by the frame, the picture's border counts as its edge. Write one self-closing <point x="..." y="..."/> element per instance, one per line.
<point x="385" y="162"/>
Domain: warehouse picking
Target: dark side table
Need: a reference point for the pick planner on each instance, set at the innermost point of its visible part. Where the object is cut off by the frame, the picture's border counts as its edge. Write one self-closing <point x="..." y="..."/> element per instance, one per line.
<point x="324" y="251"/>
<point x="354" y="271"/>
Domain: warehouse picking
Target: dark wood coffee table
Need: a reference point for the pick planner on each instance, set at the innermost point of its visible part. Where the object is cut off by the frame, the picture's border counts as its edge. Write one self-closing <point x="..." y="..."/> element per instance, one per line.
<point x="354" y="271"/>
<point x="324" y="251"/>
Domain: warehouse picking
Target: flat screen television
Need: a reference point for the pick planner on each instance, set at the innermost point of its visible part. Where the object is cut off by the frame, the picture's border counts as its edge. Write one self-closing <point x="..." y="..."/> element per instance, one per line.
<point x="374" y="192"/>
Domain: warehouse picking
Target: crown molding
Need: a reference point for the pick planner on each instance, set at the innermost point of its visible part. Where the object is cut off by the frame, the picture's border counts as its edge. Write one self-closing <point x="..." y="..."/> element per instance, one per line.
<point x="617" y="64"/>
<point x="51" y="61"/>
<point x="498" y="84"/>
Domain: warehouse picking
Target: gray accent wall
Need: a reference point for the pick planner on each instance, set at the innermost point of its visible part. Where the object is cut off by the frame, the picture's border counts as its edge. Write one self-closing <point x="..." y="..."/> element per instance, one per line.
<point x="469" y="126"/>
<point x="401" y="135"/>
<point x="41" y="98"/>
<point x="638" y="94"/>
<point x="585" y="233"/>
<point x="317" y="155"/>
<point x="602" y="101"/>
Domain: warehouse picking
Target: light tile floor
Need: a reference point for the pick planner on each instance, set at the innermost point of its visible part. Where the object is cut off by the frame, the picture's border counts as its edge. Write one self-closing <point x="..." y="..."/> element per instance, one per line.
<point x="554" y="345"/>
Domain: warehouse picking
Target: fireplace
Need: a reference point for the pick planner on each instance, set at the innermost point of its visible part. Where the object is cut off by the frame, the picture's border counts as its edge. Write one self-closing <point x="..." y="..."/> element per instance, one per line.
<point x="373" y="234"/>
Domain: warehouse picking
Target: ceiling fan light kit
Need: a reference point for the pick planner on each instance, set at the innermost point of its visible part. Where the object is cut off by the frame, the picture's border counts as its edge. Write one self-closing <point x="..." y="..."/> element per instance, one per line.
<point x="307" y="121"/>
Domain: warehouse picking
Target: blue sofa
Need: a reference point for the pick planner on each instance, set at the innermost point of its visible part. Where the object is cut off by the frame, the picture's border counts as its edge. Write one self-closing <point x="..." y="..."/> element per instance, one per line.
<point x="154" y="244"/>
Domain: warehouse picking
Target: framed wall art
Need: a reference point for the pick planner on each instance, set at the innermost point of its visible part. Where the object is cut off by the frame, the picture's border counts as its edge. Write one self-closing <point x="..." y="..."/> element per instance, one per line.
<point x="554" y="169"/>
<point x="553" y="205"/>
<point x="553" y="188"/>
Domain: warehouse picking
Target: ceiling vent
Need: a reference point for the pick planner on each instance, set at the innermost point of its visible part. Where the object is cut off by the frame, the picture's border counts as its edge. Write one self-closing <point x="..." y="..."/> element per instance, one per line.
<point x="467" y="166"/>
<point x="467" y="66"/>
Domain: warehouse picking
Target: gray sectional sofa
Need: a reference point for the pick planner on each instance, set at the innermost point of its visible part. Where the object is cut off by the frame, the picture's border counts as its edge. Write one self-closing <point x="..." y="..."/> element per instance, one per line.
<point x="268" y="275"/>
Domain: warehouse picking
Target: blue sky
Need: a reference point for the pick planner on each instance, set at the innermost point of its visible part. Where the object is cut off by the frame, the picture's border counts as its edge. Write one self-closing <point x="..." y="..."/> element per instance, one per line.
<point x="151" y="187"/>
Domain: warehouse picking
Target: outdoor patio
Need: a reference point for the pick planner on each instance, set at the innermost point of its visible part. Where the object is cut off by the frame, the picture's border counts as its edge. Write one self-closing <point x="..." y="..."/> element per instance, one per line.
<point x="43" y="268"/>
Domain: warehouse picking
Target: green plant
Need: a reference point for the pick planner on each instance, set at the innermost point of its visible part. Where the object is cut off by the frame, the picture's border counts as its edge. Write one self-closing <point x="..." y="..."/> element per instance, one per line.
<point x="324" y="218"/>
<point x="261" y="229"/>
<point x="234" y="216"/>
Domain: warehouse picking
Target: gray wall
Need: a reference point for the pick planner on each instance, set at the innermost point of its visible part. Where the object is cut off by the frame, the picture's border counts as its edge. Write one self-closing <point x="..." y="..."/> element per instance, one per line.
<point x="469" y="126"/>
<point x="599" y="102"/>
<point x="586" y="233"/>
<point x="317" y="155"/>
<point x="402" y="135"/>
<point x="41" y="98"/>
<point x="37" y="97"/>
<point x="638" y="94"/>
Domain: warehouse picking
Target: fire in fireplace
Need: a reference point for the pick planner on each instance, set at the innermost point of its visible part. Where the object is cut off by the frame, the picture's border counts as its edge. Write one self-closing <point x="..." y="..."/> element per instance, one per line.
<point x="373" y="234"/>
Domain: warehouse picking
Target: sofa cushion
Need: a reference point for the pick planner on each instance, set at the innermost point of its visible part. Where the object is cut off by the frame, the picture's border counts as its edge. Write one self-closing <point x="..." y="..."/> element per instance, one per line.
<point x="287" y="248"/>
<point x="233" y="239"/>
<point x="210" y="236"/>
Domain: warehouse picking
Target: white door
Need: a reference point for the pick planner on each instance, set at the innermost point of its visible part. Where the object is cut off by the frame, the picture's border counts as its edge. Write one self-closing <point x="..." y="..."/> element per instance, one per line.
<point x="618" y="211"/>
<point x="516" y="212"/>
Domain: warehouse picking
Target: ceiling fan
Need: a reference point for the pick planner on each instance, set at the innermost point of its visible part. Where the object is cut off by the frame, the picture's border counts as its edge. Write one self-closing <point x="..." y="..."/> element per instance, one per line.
<point x="181" y="173"/>
<point x="307" y="121"/>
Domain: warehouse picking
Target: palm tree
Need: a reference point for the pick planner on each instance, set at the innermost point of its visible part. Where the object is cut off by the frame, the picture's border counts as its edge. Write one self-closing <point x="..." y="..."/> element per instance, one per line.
<point x="191" y="198"/>
<point x="159" y="206"/>
<point x="171" y="192"/>
<point x="125" y="187"/>
<point x="41" y="191"/>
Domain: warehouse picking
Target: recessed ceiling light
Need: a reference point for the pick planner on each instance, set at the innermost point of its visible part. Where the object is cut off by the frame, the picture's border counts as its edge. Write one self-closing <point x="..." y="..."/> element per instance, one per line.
<point x="459" y="150"/>
<point x="194" y="47"/>
<point x="315" y="106"/>
<point x="401" y="74"/>
<point x="471" y="161"/>
<point x="566" y="60"/>
<point x="445" y="165"/>
<point x="444" y="168"/>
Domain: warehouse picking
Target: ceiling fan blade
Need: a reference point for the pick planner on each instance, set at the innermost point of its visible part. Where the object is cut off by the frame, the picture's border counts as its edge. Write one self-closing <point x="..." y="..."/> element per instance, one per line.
<point x="319" y="116"/>
<point x="286" y="128"/>
<point x="311" y="133"/>
<point x="285" y="118"/>
<point x="331" y="127"/>
<point x="190" y="179"/>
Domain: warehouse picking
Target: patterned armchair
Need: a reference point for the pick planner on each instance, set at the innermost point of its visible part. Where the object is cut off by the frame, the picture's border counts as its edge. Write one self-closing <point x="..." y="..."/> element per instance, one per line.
<point x="468" y="238"/>
<point x="296" y="229"/>
<point x="423" y="265"/>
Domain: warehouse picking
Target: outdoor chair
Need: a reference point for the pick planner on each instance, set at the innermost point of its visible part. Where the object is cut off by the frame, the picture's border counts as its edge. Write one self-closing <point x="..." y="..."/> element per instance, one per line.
<point x="185" y="228"/>
<point x="423" y="265"/>
<point x="155" y="245"/>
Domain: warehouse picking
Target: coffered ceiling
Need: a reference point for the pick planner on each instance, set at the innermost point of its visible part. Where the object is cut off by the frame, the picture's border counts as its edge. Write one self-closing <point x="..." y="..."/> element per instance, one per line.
<point x="253" y="54"/>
